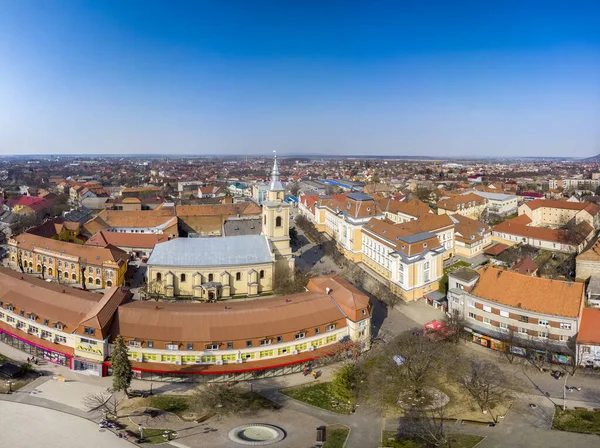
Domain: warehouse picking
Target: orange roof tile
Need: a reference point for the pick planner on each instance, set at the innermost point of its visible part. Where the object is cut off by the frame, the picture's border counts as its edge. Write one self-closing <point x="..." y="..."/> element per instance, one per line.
<point x="589" y="327"/>
<point x="539" y="295"/>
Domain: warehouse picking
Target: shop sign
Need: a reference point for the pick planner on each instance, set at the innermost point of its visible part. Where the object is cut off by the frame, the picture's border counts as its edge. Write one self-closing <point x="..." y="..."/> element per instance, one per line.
<point x="89" y="349"/>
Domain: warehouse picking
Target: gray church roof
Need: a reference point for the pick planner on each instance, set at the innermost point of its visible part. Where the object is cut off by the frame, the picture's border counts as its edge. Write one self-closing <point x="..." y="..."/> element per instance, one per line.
<point x="223" y="251"/>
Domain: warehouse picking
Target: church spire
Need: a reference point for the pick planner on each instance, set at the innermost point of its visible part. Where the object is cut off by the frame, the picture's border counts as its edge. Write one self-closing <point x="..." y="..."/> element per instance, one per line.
<point x="276" y="184"/>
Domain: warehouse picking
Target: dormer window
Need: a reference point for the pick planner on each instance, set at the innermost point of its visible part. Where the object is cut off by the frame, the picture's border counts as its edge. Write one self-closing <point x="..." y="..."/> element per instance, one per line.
<point x="424" y="244"/>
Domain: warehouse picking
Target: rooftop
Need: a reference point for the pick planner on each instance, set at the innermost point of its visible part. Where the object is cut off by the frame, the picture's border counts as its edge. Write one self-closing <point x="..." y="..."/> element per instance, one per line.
<point x="589" y="327"/>
<point x="223" y="251"/>
<point x="539" y="295"/>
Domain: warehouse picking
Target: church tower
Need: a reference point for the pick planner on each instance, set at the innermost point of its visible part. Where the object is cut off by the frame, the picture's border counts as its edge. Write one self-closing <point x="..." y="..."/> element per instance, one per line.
<point x="276" y="221"/>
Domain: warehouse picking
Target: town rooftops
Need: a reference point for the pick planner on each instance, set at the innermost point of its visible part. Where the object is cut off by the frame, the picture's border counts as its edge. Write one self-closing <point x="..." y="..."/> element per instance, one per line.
<point x="400" y="239"/>
<point x="539" y="295"/>
<point x="223" y="251"/>
<point x="495" y="196"/>
<point x="469" y="230"/>
<point x="414" y="208"/>
<point x="515" y="227"/>
<point x="226" y="210"/>
<point x="59" y="304"/>
<point x="458" y="201"/>
<point x="589" y="327"/>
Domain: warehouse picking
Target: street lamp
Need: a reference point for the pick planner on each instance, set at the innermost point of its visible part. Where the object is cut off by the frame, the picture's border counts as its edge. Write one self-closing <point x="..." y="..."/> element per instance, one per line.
<point x="141" y="429"/>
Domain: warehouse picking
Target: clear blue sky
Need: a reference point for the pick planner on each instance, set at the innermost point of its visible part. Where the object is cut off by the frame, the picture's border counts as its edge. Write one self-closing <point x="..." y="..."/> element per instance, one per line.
<point x="335" y="77"/>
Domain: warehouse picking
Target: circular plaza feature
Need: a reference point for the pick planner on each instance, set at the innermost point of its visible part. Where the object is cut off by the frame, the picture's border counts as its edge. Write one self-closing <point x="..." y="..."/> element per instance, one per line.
<point x="256" y="434"/>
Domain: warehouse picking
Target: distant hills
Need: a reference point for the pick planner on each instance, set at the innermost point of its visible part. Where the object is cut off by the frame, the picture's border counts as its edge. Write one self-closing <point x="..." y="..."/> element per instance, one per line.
<point x="595" y="158"/>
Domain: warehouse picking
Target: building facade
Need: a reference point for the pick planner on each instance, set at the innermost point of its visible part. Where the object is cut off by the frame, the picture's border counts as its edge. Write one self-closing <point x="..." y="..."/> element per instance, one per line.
<point x="505" y="310"/>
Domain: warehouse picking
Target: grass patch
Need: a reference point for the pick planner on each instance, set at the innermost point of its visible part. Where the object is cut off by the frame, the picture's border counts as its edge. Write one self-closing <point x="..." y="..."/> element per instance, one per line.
<point x="574" y="420"/>
<point x="170" y="403"/>
<point x="319" y="395"/>
<point x="455" y="266"/>
<point x="336" y="436"/>
<point x="17" y="384"/>
<point x="156" y="436"/>
<point x="389" y="439"/>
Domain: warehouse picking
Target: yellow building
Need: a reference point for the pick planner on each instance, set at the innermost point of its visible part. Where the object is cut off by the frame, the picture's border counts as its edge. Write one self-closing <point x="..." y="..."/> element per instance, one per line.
<point x="101" y="267"/>
<point x="412" y="263"/>
<point x="59" y="229"/>
<point x="343" y="216"/>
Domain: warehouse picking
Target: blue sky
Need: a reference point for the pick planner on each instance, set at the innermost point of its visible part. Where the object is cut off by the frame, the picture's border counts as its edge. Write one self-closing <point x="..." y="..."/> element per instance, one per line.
<point x="306" y="77"/>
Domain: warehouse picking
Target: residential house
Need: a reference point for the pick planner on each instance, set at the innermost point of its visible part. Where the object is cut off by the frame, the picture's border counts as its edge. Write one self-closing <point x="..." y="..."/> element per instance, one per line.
<point x="470" y="205"/>
<point x="471" y="236"/>
<point x="499" y="203"/>
<point x="588" y="339"/>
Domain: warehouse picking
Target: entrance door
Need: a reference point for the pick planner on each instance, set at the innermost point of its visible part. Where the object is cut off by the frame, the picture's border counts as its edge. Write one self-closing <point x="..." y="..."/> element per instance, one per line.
<point x="211" y="295"/>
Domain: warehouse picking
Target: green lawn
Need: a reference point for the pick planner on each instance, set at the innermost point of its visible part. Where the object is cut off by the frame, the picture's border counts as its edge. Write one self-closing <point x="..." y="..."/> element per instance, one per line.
<point x="587" y="422"/>
<point x="456" y="441"/>
<point x="170" y="403"/>
<point x="155" y="436"/>
<point x="319" y="395"/>
<point x="455" y="266"/>
<point x="336" y="436"/>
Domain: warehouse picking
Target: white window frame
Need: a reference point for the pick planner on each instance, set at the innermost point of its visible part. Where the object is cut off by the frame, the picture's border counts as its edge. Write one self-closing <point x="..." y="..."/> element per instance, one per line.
<point x="471" y="303"/>
<point x="504" y="314"/>
<point x="487" y="308"/>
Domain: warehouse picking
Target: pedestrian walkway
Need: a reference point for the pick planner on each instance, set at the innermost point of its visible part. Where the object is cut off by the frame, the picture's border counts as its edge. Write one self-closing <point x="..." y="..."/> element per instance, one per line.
<point x="24" y="425"/>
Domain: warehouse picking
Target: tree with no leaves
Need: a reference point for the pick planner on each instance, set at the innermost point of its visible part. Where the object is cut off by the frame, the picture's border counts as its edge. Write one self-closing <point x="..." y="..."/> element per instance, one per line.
<point x="121" y="366"/>
<point x="284" y="282"/>
<point x="103" y="401"/>
<point x="455" y="322"/>
<point x="487" y="384"/>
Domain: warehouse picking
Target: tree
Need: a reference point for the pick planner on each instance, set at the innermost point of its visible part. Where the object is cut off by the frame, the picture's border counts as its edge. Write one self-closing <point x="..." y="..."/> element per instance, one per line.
<point x="385" y="295"/>
<point x="294" y="188"/>
<point x="426" y="427"/>
<point x="454" y="322"/>
<point x="487" y="384"/>
<point x="345" y="383"/>
<point x="293" y="236"/>
<point x="152" y="289"/>
<point x="83" y="265"/>
<point x="509" y="345"/>
<point x="538" y="351"/>
<point x="284" y="282"/>
<point x="104" y="401"/>
<point x="121" y="366"/>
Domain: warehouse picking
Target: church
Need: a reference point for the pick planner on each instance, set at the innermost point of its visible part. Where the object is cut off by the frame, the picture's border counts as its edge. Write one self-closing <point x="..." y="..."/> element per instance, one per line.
<point x="230" y="266"/>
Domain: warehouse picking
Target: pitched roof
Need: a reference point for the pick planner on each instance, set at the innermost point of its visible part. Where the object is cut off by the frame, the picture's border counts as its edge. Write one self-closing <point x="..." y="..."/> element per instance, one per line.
<point x="428" y="223"/>
<point x="223" y="251"/>
<point x="218" y="322"/>
<point x="458" y="201"/>
<point x="539" y="295"/>
<point x="592" y="209"/>
<point x="225" y="210"/>
<point x="589" y="327"/>
<point x="469" y="230"/>
<point x="592" y="254"/>
<point x="350" y="299"/>
<point x="161" y="216"/>
<point x="93" y="255"/>
<point x="57" y="303"/>
<point x="414" y="207"/>
<point x="400" y="239"/>
<point x="525" y="266"/>
<point x="138" y="240"/>
<point x="541" y="233"/>
<point x="355" y="205"/>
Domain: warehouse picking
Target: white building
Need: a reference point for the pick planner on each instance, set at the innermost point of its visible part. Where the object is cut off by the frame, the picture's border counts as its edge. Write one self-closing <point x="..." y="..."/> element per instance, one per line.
<point x="499" y="203"/>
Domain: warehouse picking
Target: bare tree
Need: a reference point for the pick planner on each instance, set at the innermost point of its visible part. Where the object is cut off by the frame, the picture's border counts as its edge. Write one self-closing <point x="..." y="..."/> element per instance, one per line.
<point x="487" y="384"/>
<point x="454" y="322"/>
<point x="102" y="401"/>
<point x="152" y="289"/>
<point x="538" y="350"/>
<point x="424" y="426"/>
<point x="287" y="282"/>
<point x="509" y="345"/>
